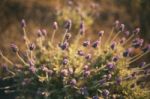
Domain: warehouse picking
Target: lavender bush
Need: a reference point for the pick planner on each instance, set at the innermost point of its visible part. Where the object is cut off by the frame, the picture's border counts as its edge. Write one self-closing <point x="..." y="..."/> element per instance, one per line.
<point x="77" y="67"/>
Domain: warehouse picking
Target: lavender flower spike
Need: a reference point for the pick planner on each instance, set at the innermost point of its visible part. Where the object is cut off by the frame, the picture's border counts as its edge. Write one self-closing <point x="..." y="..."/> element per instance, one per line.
<point x="68" y="24"/>
<point x="95" y="44"/>
<point x="88" y="56"/>
<point x="147" y="48"/>
<point x="86" y="43"/>
<point x="23" y="23"/>
<point x="14" y="48"/>
<point x="80" y="52"/>
<point x="117" y="24"/>
<point x="65" y="61"/>
<point x="122" y="27"/>
<point x="142" y="64"/>
<point x="136" y="31"/>
<point x="55" y="25"/>
<point x="101" y="33"/>
<point x="73" y="82"/>
<point x="95" y="97"/>
<point x="110" y="65"/>
<point x="4" y="68"/>
<point x="32" y="69"/>
<point x="82" y="28"/>
<point x="64" y="45"/>
<point x="113" y="45"/>
<point x="32" y="46"/>
<point x="64" y="72"/>
<point x="105" y="93"/>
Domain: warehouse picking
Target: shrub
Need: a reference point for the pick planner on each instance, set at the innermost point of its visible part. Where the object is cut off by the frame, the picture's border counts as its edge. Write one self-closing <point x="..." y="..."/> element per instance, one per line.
<point x="77" y="67"/>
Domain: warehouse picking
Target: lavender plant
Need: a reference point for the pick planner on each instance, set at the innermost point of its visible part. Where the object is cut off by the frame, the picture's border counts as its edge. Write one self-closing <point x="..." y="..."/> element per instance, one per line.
<point x="79" y="68"/>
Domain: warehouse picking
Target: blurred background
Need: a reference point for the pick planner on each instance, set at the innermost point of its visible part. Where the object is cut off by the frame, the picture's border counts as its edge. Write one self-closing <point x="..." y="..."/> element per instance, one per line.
<point x="98" y="14"/>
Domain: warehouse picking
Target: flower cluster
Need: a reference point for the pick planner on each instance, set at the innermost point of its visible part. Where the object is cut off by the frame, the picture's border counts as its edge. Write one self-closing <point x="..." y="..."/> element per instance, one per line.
<point x="79" y="68"/>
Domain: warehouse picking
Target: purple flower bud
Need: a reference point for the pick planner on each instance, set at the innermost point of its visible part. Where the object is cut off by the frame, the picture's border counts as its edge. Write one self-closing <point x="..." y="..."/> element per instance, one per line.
<point x="109" y="76"/>
<point x="117" y="24"/>
<point x="133" y="74"/>
<point x="64" y="72"/>
<point x="55" y="25"/>
<point x="68" y="24"/>
<point x="88" y="56"/>
<point x="64" y="45"/>
<point x="122" y="27"/>
<point x="136" y="43"/>
<point x="86" y="73"/>
<point x="50" y="72"/>
<point x="105" y="93"/>
<point x="118" y="80"/>
<point x="101" y="33"/>
<point x="127" y="33"/>
<point x="44" y="68"/>
<point x="70" y="70"/>
<point x="147" y="48"/>
<point x="86" y="43"/>
<point x="127" y="52"/>
<point x="86" y="67"/>
<point x="95" y="97"/>
<point x="142" y="64"/>
<point x="80" y="53"/>
<point x="73" y="82"/>
<point x="81" y="25"/>
<point x="14" y="48"/>
<point x="67" y="36"/>
<point x="82" y="28"/>
<point x="136" y="31"/>
<point x="32" y="46"/>
<point x="115" y="58"/>
<point x="32" y="69"/>
<point x="39" y="33"/>
<point x="95" y="44"/>
<point x="113" y="45"/>
<point x="122" y="41"/>
<point x="23" y="23"/>
<point x="110" y="65"/>
<point x="65" y="61"/>
<point x="31" y="62"/>
<point x="4" y="68"/>
<point x="44" y="32"/>
<point x="70" y="3"/>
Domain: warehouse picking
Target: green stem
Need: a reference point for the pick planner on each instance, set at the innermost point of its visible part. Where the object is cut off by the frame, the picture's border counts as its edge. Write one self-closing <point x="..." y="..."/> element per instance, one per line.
<point x="21" y="58"/>
<point x="128" y="39"/>
<point x="53" y="35"/>
<point x="117" y="34"/>
<point x="138" y="57"/>
<point x="109" y="36"/>
<point x="64" y="36"/>
<point x="5" y="58"/>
